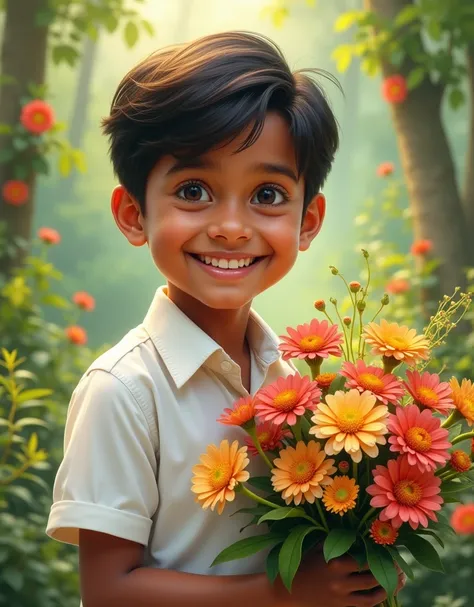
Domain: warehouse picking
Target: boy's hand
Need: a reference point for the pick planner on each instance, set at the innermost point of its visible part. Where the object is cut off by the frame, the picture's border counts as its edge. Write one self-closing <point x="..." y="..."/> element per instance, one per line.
<point x="339" y="583"/>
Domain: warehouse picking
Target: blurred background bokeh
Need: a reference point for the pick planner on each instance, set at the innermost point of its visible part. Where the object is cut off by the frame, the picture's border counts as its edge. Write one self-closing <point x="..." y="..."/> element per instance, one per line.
<point x="402" y="188"/>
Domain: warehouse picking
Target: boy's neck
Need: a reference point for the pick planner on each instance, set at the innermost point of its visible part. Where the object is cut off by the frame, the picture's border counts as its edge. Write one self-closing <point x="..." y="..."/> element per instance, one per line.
<point x="227" y="328"/>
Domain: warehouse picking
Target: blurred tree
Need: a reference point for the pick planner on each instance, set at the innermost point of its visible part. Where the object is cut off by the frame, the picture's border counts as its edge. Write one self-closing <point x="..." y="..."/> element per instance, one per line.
<point x="32" y="29"/>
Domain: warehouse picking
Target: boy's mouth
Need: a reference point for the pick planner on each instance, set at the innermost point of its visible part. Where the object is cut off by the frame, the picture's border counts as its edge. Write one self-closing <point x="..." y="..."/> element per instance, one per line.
<point x="226" y="264"/>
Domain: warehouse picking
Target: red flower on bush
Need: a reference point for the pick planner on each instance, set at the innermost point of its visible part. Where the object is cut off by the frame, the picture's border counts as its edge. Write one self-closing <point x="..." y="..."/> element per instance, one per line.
<point x="385" y="169"/>
<point x="397" y="286"/>
<point x="37" y="116"/>
<point x="76" y="335"/>
<point x="421" y="247"/>
<point x="15" y="192"/>
<point x="394" y="89"/>
<point x="49" y="236"/>
<point x="83" y="300"/>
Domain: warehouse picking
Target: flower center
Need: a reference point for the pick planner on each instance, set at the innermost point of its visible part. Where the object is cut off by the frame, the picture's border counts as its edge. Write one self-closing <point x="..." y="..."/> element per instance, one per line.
<point x="467" y="519"/>
<point x="418" y="439"/>
<point x="427" y="396"/>
<point x="263" y="437"/>
<point x="220" y="475"/>
<point x="341" y="495"/>
<point x="370" y="381"/>
<point x="302" y="472"/>
<point x="396" y="342"/>
<point x="407" y="493"/>
<point x="286" y="400"/>
<point x="311" y="343"/>
<point x="39" y="118"/>
<point x="350" y="422"/>
<point x="385" y="530"/>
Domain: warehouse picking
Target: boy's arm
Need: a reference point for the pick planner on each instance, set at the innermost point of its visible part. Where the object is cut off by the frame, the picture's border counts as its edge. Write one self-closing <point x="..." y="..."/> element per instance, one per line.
<point x="112" y="575"/>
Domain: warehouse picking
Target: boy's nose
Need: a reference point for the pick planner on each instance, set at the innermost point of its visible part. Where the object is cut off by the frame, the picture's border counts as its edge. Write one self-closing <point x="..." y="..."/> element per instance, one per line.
<point x="230" y="226"/>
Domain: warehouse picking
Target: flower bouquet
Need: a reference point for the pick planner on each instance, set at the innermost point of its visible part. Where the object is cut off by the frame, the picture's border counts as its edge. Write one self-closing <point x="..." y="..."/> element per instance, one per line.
<point x="361" y="460"/>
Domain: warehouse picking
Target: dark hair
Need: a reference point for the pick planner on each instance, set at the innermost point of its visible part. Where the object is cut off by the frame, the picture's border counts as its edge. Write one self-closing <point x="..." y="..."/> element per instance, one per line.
<point x="185" y="100"/>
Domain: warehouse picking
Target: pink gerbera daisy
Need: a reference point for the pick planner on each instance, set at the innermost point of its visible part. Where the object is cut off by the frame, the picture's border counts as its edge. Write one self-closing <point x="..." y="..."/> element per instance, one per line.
<point x="318" y="338"/>
<point x="418" y="435"/>
<point x="287" y="399"/>
<point x="385" y="386"/>
<point x="405" y="494"/>
<point x="428" y="391"/>
<point x="270" y="437"/>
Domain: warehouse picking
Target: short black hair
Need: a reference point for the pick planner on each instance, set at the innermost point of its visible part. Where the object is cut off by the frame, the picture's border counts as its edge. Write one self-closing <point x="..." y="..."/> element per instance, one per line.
<point x="187" y="99"/>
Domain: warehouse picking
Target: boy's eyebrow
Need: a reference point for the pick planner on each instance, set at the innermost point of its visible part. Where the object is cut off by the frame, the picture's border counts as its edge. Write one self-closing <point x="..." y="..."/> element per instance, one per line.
<point x="200" y="163"/>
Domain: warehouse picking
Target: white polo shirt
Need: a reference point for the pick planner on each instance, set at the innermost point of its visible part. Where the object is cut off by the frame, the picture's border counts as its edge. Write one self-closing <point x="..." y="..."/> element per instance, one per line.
<point x="137" y="423"/>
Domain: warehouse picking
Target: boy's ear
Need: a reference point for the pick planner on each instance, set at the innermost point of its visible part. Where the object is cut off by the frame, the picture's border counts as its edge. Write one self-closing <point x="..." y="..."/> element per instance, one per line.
<point x="128" y="216"/>
<point x="312" y="221"/>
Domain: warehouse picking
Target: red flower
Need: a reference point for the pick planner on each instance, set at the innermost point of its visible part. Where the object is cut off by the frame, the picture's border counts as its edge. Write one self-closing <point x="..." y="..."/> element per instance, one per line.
<point x="37" y="116"/>
<point x="462" y="519"/>
<point x="49" y="236"/>
<point x="397" y="286"/>
<point x="421" y="247"/>
<point x="269" y="436"/>
<point x="83" y="300"/>
<point x="394" y="89"/>
<point x="76" y="335"/>
<point x="383" y="533"/>
<point x="460" y="461"/>
<point x="15" y="192"/>
<point x="385" y="169"/>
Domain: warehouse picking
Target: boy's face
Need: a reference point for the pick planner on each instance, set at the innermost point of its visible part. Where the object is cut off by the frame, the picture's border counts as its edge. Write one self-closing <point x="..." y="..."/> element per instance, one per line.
<point x="227" y="226"/>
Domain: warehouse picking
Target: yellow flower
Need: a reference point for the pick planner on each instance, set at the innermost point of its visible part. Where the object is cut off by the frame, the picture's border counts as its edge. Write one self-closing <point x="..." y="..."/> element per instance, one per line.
<point x="341" y="496"/>
<point x="219" y="472"/>
<point x="301" y="473"/>
<point x="463" y="397"/>
<point x="351" y="421"/>
<point x="390" y="339"/>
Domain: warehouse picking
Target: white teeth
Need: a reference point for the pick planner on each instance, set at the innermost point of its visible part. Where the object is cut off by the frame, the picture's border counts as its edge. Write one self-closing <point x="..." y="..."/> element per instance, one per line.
<point x="226" y="264"/>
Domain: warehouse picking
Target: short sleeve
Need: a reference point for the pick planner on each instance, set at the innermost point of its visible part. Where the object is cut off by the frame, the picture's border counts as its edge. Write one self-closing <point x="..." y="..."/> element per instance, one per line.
<point x="107" y="480"/>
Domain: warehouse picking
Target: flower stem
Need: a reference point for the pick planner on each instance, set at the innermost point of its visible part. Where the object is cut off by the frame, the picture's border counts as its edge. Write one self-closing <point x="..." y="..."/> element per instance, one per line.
<point x="463" y="437"/>
<point x="452" y="419"/>
<point x="368" y="514"/>
<point x="257" y="498"/>
<point x="315" y="366"/>
<point x="252" y="432"/>
<point x="321" y="514"/>
<point x="296" y="429"/>
<point x="354" y="470"/>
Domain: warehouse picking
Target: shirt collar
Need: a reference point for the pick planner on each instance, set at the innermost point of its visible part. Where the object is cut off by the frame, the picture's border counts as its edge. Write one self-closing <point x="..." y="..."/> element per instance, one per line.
<point x="184" y="347"/>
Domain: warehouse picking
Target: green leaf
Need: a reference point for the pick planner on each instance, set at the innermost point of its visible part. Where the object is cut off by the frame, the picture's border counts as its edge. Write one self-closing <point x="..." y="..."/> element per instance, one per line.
<point x="404" y="566"/>
<point x="6" y="154"/>
<point x="247" y="547"/>
<point x="346" y="20"/>
<point x="338" y="542"/>
<point x="261" y="482"/>
<point x="342" y="55"/>
<point x="51" y="299"/>
<point x="21" y="493"/>
<point x="451" y="487"/>
<point x="289" y="558"/>
<point x="407" y="15"/>
<point x="382" y="567"/>
<point x="13" y="578"/>
<point x="79" y="160"/>
<point x="33" y="394"/>
<point x="456" y="98"/>
<point x="5" y="129"/>
<point x="415" y="77"/>
<point x="131" y="34"/>
<point x="148" y="27"/>
<point x="337" y="384"/>
<point x="432" y="534"/>
<point x="111" y="22"/>
<point x="64" y="164"/>
<point x="423" y="552"/>
<point x="278" y="514"/>
<point x="64" y="53"/>
<point x="271" y="564"/>
<point x="255" y="511"/>
<point x="30" y="421"/>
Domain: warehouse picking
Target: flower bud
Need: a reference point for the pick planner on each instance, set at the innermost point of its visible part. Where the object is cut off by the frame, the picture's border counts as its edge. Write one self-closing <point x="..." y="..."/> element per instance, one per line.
<point x="347" y="321"/>
<point x="365" y="253"/>
<point x="333" y="300"/>
<point x="361" y="305"/>
<point x="343" y="467"/>
<point x="385" y="299"/>
<point x="334" y="270"/>
<point x="354" y="286"/>
<point x="320" y="305"/>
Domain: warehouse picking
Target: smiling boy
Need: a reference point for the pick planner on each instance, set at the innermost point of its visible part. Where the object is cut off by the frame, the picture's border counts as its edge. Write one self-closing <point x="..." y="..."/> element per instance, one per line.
<point x="221" y="152"/>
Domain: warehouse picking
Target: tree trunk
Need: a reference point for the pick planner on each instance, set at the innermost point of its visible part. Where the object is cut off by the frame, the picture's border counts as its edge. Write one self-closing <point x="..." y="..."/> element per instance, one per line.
<point x="429" y="170"/>
<point x="468" y="197"/>
<point x="23" y="57"/>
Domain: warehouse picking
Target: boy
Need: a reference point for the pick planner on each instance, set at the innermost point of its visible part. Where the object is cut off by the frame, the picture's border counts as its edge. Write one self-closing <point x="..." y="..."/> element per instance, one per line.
<point x="220" y="152"/>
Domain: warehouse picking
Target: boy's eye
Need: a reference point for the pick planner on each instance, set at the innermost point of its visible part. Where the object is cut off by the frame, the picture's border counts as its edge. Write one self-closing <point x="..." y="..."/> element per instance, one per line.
<point x="268" y="195"/>
<point x="193" y="192"/>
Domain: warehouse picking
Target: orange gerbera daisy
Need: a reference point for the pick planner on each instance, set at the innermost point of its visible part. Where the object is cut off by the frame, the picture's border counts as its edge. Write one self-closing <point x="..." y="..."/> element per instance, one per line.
<point x="316" y="339"/>
<point x="389" y="339"/>
<point x="287" y="399"/>
<point x="269" y="436"/>
<point x="83" y="300"/>
<point x="462" y="519"/>
<point x="429" y="391"/>
<point x="463" y="397"/>
<point x="460" y="461"/>
<point x="49" y="235"/>
<point x="394" y="89"/>
<point x="37" y="116"/>
<point x="15" y="192"/>
<point x="218" y="474"/>
<point x="385" y="386"/>
<point x="241" y="414"/>
<point x="76" y="335"/>
<point x="351" y="421"/>
<point x="324" y="380"/>
<point x="301" y="473"/>
<point x="341" y="495"/>
<point x="383" y="533"/>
